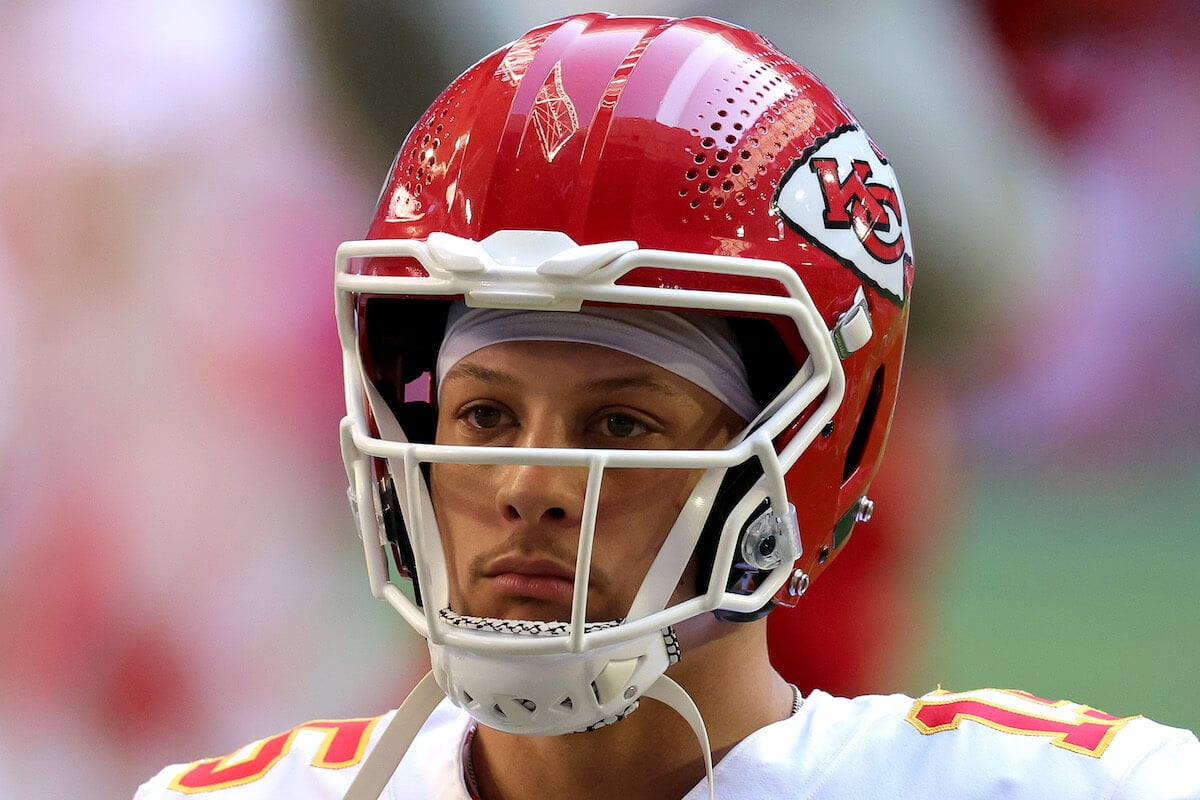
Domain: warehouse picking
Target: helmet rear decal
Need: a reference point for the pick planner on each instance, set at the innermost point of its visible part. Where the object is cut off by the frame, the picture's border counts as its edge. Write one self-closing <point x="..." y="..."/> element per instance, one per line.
<point x="842" y="195"/>
<point x="554" y="117"/>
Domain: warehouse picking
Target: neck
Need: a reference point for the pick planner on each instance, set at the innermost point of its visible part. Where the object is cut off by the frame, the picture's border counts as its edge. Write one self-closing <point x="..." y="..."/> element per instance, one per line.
<point x="653" y="752"/>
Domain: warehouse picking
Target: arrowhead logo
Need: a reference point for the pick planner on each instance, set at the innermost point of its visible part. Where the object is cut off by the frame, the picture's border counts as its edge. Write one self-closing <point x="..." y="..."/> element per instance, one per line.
<point x="842" y="195"/>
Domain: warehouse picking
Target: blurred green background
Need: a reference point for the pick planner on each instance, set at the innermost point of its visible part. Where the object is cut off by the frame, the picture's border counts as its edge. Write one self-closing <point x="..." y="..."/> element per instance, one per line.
<point x="1082" y="585"/>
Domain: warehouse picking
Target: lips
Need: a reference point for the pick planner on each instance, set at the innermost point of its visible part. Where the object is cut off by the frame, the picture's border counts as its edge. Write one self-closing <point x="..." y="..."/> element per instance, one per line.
<point x="531" y="579"/>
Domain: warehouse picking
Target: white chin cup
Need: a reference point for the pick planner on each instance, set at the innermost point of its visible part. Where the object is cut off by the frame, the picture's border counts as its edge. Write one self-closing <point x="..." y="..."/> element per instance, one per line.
<point x="547" y="694"/>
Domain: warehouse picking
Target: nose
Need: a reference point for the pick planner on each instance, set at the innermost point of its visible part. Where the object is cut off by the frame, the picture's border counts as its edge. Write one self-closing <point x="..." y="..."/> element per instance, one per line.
<point x="539" y="494"/>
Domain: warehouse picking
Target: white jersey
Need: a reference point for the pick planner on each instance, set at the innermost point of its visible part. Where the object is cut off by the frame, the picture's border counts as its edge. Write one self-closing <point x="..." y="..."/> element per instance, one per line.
<point x="982" y="744"/>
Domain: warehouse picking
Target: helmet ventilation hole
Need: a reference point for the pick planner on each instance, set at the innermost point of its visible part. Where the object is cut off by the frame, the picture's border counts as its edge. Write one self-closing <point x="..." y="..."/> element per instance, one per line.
<point x="422" y="159"/>
<point x="866" y="424"/>
<point x="757" y="112"/>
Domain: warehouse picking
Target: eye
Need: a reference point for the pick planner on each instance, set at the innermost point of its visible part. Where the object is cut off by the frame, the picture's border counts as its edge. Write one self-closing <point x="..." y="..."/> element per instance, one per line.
<point x="484" y="417"/>
<point x="622" y="426"/>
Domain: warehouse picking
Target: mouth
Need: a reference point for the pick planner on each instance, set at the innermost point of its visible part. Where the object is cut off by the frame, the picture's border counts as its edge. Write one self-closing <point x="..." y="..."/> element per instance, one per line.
<point x="538" y="580"/>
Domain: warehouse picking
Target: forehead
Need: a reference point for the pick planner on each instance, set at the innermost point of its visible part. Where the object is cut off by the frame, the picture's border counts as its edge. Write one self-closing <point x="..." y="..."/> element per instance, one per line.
<point x="558" y="363"/>
<point x="571" y="372"/>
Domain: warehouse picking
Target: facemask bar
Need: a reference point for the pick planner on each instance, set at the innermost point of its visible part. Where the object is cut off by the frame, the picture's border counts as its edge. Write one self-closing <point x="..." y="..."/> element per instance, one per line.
<point x="540" y="270"/>
<point x="406" y="459"/>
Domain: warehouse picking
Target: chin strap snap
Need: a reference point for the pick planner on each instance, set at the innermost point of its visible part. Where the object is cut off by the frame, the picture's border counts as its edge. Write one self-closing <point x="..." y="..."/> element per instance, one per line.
<point x="377" y="770"/>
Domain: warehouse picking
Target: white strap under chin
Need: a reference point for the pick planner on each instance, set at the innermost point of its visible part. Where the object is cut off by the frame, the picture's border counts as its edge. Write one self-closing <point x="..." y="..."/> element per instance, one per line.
<point x="670" y="693"/>
<point x="377" y="770"/>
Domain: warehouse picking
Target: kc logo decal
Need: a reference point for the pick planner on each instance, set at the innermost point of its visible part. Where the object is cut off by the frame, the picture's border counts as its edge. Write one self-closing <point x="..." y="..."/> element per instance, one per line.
<point x="841" y="194"/>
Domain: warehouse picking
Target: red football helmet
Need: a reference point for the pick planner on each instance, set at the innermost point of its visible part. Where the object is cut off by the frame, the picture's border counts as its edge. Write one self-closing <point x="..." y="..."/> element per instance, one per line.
<point x="683" y="165"/>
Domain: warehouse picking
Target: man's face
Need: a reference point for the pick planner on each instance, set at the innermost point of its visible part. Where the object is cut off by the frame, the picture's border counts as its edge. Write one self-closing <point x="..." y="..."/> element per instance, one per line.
<point x="511" y="532"/>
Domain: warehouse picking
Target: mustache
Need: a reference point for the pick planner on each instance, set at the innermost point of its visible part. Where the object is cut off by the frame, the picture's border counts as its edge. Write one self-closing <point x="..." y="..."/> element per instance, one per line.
<point x="554" y="549"/>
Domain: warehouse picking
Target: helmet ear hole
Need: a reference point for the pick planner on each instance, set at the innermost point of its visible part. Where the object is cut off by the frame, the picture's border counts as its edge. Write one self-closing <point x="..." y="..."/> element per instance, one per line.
<point x="866" y="424"/>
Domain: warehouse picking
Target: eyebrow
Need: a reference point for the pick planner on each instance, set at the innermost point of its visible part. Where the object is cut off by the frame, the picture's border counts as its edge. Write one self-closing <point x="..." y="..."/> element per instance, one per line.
<point x="631" y="382"/>
<point x="464" y="371"/>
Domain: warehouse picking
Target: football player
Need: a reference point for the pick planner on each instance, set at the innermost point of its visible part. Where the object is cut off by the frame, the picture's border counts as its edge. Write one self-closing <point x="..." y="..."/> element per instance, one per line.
<point x="622" y="346"/>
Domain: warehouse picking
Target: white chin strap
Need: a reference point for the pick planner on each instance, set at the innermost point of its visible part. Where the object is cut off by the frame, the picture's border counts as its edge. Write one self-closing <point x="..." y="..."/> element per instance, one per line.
<point x="377" y="770"/>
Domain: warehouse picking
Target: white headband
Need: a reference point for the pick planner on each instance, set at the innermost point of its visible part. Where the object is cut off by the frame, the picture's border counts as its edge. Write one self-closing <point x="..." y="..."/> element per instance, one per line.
<point x="700" y="348"/>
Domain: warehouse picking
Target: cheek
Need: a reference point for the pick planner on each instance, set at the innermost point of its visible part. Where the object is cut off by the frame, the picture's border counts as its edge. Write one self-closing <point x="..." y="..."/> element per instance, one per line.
<point x="458" y="507"/>
<point x="633" y="523"/>
<point x="645" y="503"/>
<point x="658" y="488"/>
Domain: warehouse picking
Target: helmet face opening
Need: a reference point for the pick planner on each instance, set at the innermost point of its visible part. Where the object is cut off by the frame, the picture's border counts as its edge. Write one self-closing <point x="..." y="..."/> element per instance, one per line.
<point x="680" y="166"/>
<point x="389" y="383"/>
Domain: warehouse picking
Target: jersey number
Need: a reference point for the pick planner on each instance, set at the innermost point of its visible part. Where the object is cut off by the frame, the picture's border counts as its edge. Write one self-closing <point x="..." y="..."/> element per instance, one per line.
<point x="342" y="745"/>
<point x="1071" y="726"/>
